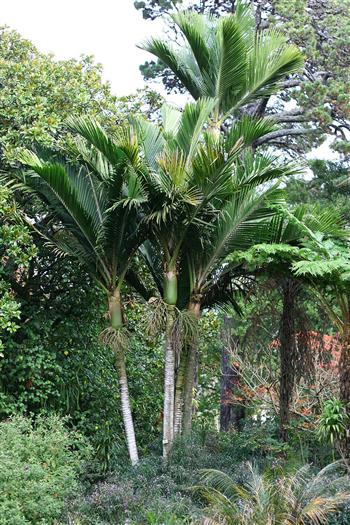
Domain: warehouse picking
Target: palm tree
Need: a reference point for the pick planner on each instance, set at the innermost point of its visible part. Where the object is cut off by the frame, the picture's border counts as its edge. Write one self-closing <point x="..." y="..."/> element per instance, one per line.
<point x="301" y="498"/>
<point x="245" y="216"/>
<point x="202" y="204"/>
<point x="226" y="60"/>
<point x="94" y="205"/>
<point x="174" y="201"/>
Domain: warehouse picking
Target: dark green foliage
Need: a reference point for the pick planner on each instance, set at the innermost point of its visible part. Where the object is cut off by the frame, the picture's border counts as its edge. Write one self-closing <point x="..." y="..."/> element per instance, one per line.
<point x="16" y="251"/>
<point x="55" y="363"/>
<point x="155" y="493"/>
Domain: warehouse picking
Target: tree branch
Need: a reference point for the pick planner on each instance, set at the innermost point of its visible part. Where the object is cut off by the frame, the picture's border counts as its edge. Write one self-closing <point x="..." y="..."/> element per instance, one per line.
<point x="295" y="115"/>
<point x="283" y="133"/>
<point x="293" y="82"/>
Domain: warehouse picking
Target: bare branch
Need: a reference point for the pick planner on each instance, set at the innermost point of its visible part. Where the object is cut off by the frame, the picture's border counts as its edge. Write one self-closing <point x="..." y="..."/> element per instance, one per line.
<point x="284" y="133"/>
<point x="295" y="115"/>
<point x="293" y="82"/>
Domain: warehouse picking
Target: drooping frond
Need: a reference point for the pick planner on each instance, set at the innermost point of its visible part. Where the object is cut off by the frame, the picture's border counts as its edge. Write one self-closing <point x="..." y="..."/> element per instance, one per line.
<point x="95" y="200"/>
<point x="270" y="61"/>
<point x="195" y="31"/>
<point x="255" y="170"/>
<point x="241" y="223"/>
<point x="93" y="133"/>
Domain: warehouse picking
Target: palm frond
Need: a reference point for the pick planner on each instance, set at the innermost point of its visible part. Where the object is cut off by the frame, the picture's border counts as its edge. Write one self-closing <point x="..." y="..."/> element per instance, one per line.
<point x="193" y="28"/>
<point x="269" y="62"/>
<point x="191" y="125"/>
<point x="171" y="58"/>
<point x="248" y="129"/>
<point x="93" y="133"/>
<point x="242" y="221"/>
<point x="233" y="62"/>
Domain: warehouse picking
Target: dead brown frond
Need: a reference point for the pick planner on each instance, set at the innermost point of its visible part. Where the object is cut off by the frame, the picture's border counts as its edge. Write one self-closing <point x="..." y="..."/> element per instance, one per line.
<point x="115" y="339"/>
<point x="155" y="318"/>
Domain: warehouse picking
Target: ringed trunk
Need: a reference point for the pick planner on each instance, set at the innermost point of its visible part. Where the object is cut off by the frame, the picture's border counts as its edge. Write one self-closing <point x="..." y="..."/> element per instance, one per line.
<point x="170" y="297"/>
<point x="195" y="308"/>
<point x="179" y="391"/>
<point x="116" y="319"/>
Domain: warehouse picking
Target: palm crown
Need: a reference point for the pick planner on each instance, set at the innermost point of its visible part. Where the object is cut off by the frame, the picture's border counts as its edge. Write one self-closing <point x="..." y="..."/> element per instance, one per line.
<point x="226" y="59"/>
<point x="93" y="199"/>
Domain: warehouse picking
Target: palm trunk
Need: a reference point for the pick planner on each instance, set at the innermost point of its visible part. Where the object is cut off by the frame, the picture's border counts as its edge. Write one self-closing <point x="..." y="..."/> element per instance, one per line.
<point x="195" y="308"/>
<point x="170" y="297"/>
<point x="287" y="354"/>
<point x="126" y="410"/>
<point x="179" y="390"/>
<point x="116" y="318"/>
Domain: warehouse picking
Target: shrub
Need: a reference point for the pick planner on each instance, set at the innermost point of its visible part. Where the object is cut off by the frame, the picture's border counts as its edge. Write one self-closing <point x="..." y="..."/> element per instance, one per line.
<point x="333" y="421"/>
<point x="147" y="494"/>
<point x="39" y="467"/>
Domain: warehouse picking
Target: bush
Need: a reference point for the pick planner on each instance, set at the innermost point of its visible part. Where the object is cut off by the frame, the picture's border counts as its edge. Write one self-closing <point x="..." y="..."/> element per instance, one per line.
<point x="39" y="467"/>
<point x="147" y="494"/>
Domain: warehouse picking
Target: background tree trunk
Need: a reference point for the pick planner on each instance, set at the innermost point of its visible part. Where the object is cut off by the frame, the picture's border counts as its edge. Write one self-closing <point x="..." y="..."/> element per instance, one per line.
<point x="231" y="414"/>
<point x="344" y="383"/>
<point x="287" y="352"/>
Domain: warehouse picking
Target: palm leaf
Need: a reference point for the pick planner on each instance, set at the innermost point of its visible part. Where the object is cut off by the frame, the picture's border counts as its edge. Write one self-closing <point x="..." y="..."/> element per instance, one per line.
<point x="172" y="59"/>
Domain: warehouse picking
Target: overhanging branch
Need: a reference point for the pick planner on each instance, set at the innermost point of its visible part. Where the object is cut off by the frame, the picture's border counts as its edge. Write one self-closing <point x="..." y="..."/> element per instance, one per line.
<point x="284" y="133"/>
<point x="294" y="115"/>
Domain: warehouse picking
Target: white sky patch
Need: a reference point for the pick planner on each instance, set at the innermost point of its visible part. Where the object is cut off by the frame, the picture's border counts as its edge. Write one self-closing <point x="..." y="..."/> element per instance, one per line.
<point x="324" y="152"/>
<point x="107" y="29"/>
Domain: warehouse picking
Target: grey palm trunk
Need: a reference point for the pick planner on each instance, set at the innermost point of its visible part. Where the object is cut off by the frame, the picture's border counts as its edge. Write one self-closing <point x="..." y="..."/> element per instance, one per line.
<point x="179" y="389"/>
<point x="170" y="298"/>
<point x="116" y="319"/>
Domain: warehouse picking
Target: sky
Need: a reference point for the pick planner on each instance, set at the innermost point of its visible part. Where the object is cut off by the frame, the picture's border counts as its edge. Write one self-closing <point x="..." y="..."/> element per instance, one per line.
<point x="107" y="29"/>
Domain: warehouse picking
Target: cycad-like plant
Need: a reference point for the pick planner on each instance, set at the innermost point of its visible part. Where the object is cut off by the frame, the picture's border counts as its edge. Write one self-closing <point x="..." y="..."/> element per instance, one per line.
<point x="226" y="59"/>
<point x="94" y="205"/>
<point x="302" y="498"/>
